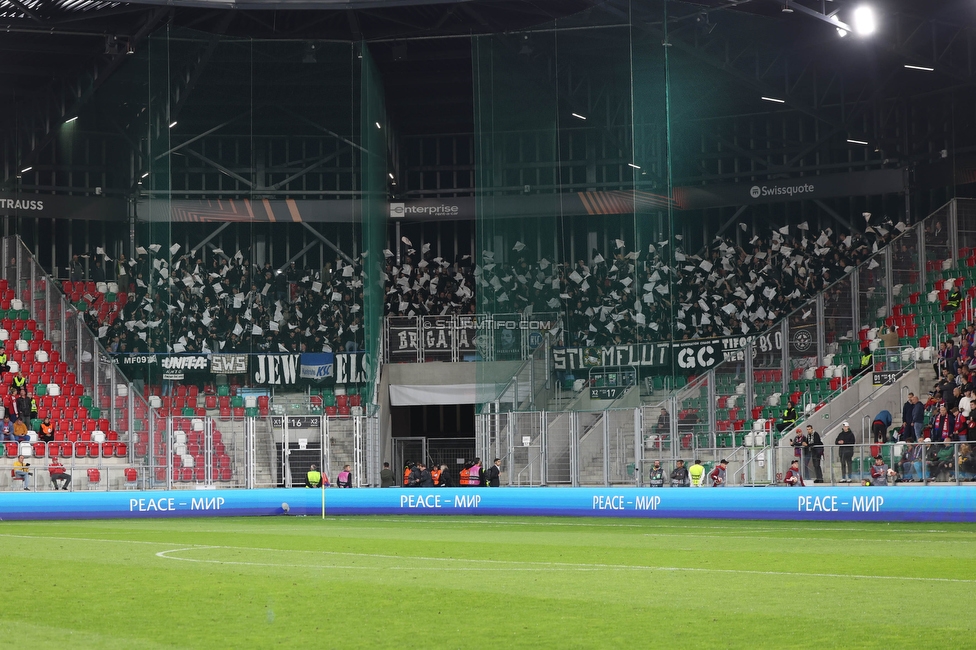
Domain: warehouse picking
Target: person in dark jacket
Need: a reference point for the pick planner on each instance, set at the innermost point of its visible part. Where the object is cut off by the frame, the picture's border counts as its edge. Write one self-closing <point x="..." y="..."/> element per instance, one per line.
<point x="494" y="473"/>
<point x="845" y="441"/>
<point x="424" y="479"/>
<point x="879" y="427"/>
<point x="918" y="417"/>
<point x="816" y="451"/>
<point x="679" y="475"/>
<point x="387" y="477"/>
<point x="445" y="480"/>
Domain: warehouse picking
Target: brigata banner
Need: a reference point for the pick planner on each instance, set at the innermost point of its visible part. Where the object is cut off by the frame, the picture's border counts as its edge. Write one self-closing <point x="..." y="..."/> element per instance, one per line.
<point x="924" y="503"/>
<point x="687" y="356"/>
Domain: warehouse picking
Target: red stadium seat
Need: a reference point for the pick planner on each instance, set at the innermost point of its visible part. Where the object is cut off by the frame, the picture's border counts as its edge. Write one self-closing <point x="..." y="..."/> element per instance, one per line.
<point x="121" y="449"/>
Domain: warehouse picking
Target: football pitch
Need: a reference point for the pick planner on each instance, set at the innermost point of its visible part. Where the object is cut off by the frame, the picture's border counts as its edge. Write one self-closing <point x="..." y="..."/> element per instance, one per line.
<point x="500" y="582"/>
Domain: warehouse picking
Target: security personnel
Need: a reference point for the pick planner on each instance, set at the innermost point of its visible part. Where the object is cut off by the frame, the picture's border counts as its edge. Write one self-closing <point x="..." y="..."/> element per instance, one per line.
<point x="4" y="367"/>
<point x="697" y="473"/>
<point x="866" y="361"/>
<point x="435" y="474"/>
<point x="789" y="416"/>
<point x="953" y="301"/>
<point x="19" y="381"/>
<point x="656" y="476"/>
<point x="314" y="478"/>
<point x="33" y="408"/>
<point x="465" y="475"/>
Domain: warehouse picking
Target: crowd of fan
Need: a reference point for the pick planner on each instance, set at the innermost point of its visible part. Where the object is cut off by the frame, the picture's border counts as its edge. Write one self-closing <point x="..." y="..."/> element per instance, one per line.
<point x="726" y="290"/>
<point x="182" y="303"/>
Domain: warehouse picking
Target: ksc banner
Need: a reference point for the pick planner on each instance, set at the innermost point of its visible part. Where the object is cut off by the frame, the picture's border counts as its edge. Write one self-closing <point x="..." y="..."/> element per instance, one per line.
<point x="317" y="366"/>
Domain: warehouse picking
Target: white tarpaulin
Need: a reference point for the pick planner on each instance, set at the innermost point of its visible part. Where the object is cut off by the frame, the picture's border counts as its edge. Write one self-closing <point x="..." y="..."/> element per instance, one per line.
<point x="405" y="395"/>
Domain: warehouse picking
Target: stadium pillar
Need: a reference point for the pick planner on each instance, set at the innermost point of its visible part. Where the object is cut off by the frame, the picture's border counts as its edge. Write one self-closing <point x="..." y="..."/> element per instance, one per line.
<point x="855" y="304"/>
<point x="785" y="356"/>
<point x="953" y="231"/>
<point x="821" y="333"/>
<point x="889" y="279"/>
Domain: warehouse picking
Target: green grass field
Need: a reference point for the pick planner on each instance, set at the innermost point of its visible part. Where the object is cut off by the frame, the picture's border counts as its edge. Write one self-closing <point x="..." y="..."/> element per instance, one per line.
<point x="437" y="582"/>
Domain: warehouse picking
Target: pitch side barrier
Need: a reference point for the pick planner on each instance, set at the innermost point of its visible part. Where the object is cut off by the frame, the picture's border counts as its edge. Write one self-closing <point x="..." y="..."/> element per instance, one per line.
<point x="922" y="503"/>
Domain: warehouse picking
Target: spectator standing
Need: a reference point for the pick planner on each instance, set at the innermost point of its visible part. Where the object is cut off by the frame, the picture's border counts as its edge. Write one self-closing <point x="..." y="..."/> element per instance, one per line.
<point x="816" y="451"/>
<point x="800" y="444"/>
<point x="494" y="473"/>
<point x="445" y="479"/>
<point x="387" y="477"/>
<point x="845" y="442"/>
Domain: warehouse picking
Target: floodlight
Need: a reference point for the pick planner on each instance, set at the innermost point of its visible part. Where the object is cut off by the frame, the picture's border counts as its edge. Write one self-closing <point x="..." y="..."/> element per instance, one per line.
<point x="71" y="119"/>
<point x="634" y="166"/>
<point x="865" y="23"/>
<point x="578" y="116"/>
<point x="25" y="170"/>
<point x="172" y="124"/>
<point x="919" y="67"/>
<point x="856" y="141"/>
<point x="775" y="100"/>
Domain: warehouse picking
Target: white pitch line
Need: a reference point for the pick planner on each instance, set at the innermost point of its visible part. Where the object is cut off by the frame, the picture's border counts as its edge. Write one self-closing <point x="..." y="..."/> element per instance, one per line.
<point x="526" y="566"/>
<point x="440" y="519"/>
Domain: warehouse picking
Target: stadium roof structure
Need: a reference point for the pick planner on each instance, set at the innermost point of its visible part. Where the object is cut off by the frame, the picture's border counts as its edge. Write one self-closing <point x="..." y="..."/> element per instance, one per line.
<point x="55" y="54"/>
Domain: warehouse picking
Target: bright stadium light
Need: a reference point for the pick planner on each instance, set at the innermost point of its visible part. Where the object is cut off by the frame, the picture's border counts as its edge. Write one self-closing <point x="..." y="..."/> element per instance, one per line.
<point x="71" y="119"/>
<point x="146" y="174"/>
<point x="172" y="124"/>
<point x="25" y="170"/>
<point x="919" y="67"/>
<point x="865" y="23"/>
<point x="378" y="126"/>
<point x="775" y="100"/>
<point x="856" y="141"/>
<point x="578" y="116"/>
<point x="634" y="166"/>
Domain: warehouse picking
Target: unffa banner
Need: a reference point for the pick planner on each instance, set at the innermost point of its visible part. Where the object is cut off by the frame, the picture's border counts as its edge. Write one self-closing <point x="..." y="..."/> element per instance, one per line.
<point x="317" y="365"/>
<point x="923" y="503"/>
